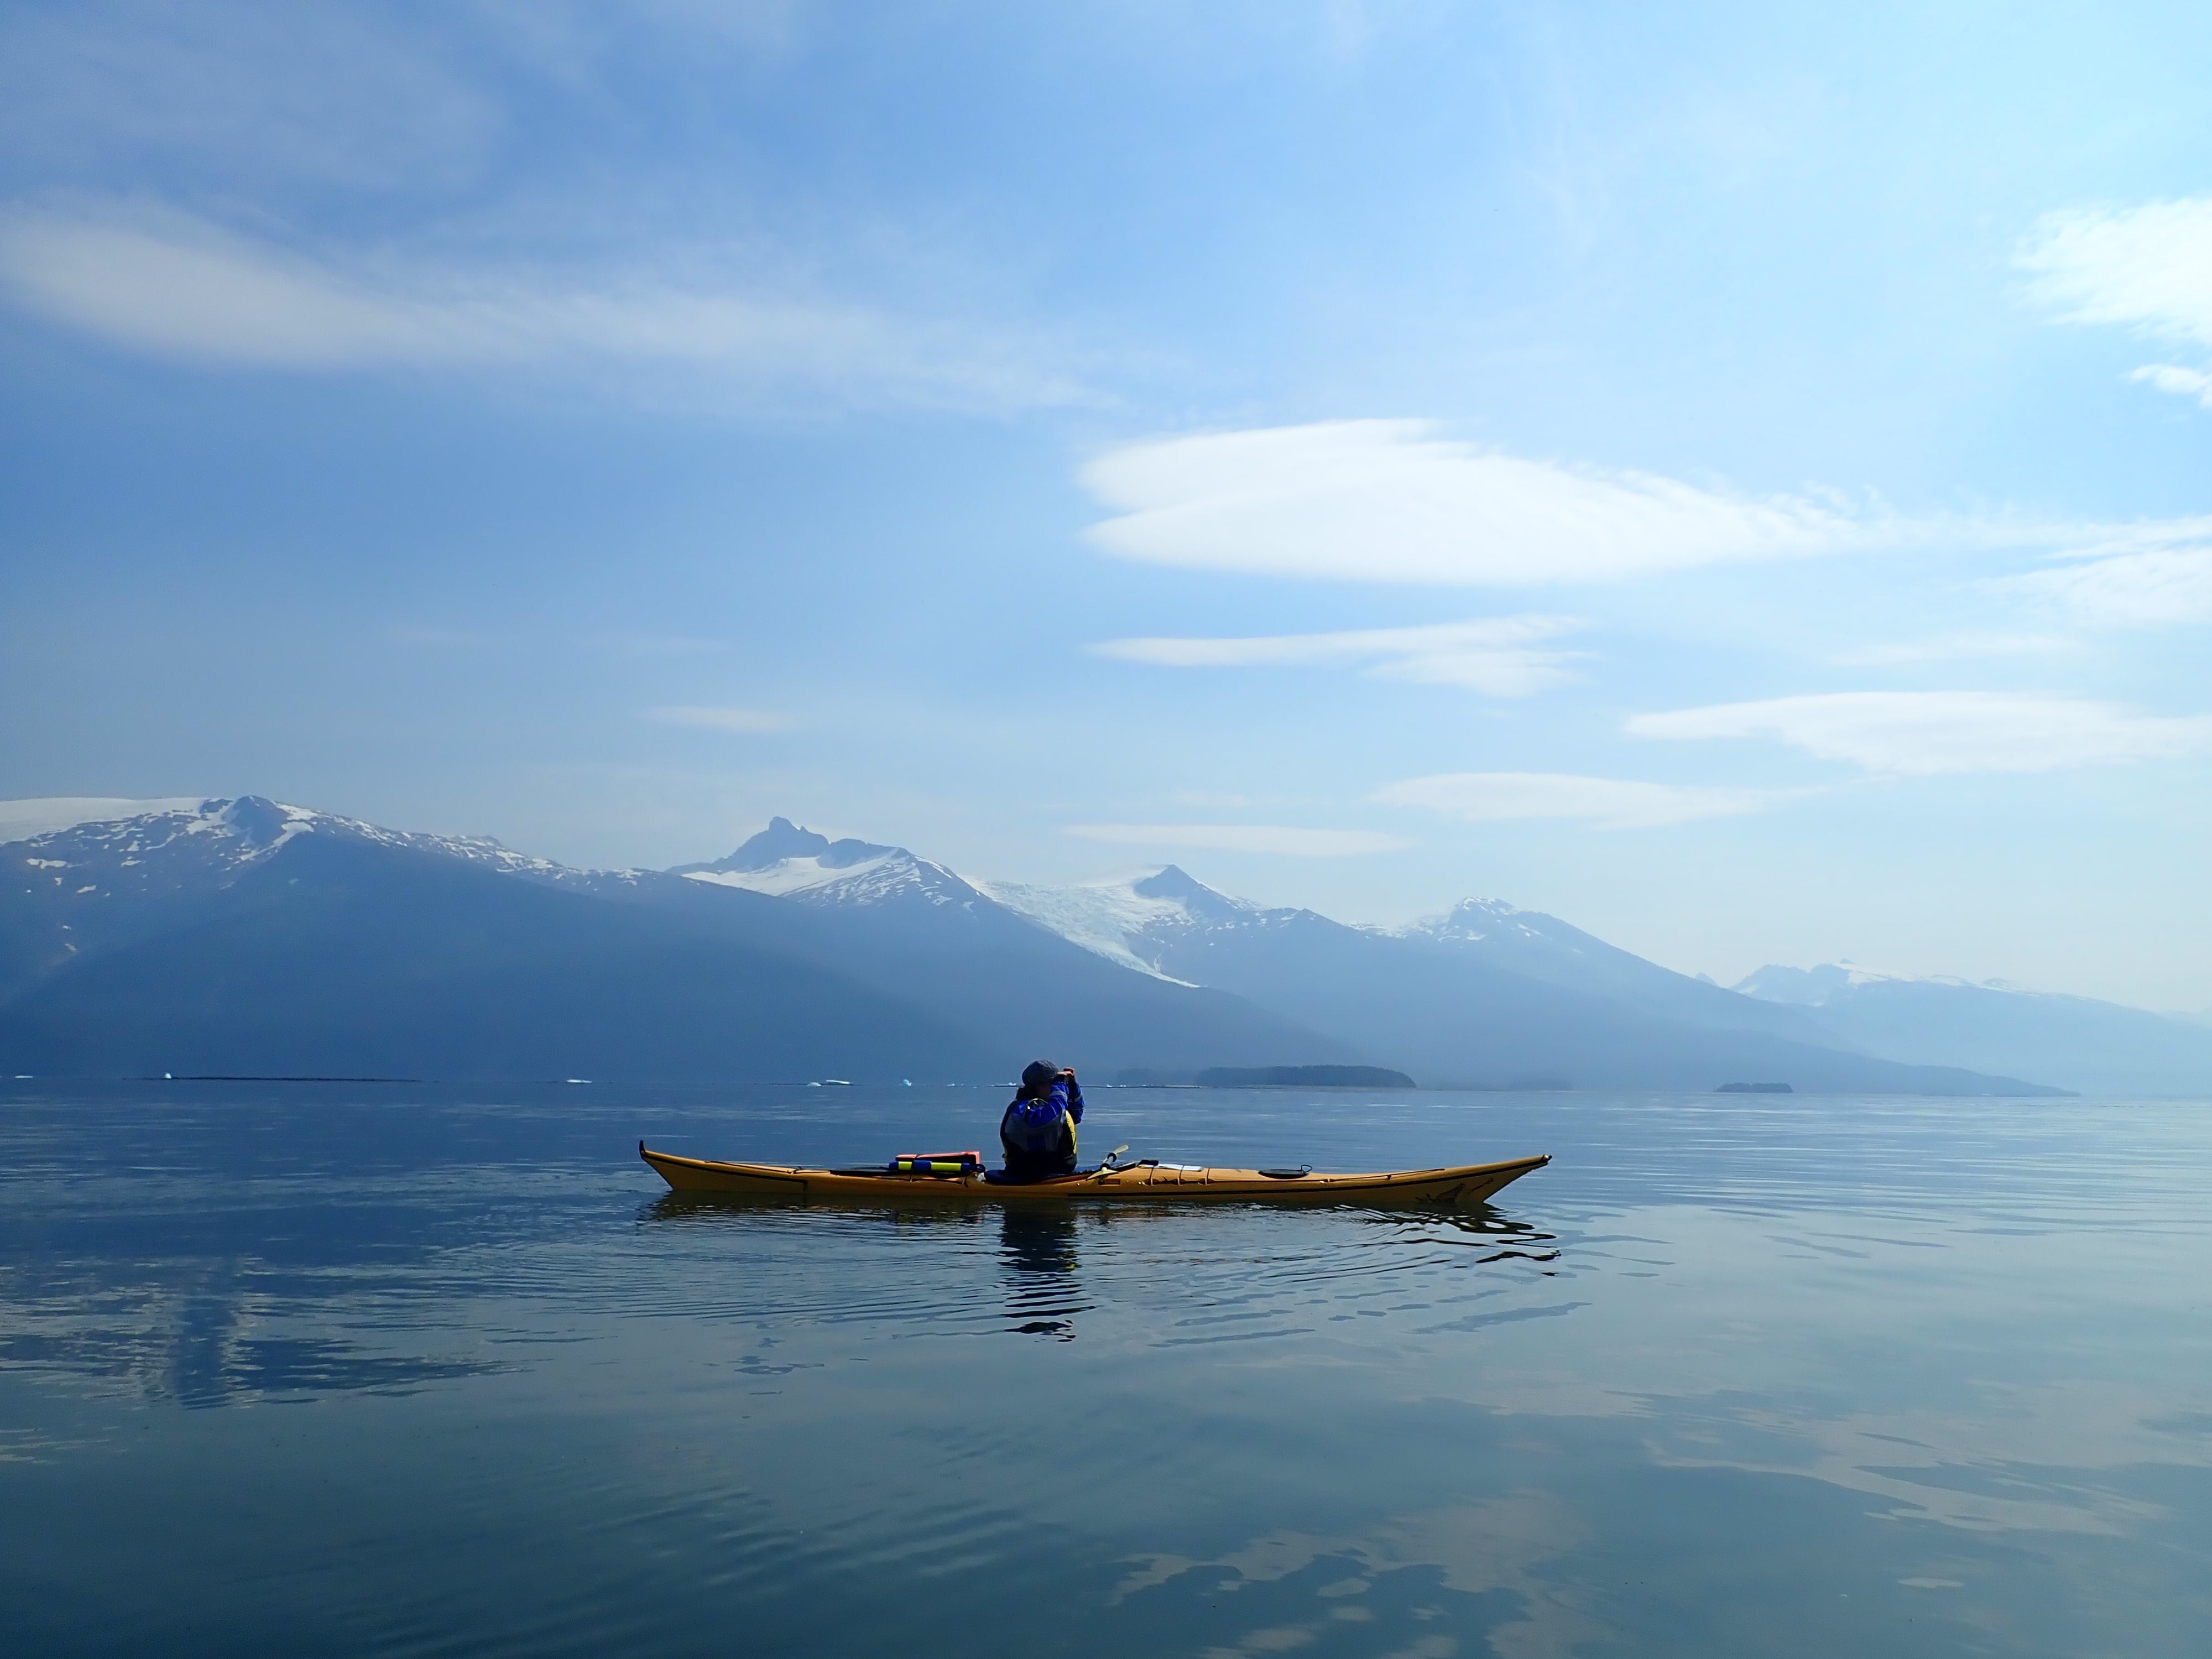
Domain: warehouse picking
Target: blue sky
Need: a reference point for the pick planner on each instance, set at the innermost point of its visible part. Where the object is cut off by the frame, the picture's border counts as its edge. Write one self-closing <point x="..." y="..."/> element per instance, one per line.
<point x="1733" y="476"/>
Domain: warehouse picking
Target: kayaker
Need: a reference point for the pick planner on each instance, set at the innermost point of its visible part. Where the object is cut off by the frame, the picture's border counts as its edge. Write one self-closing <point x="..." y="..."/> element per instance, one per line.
<point x="1038" y="1129"/>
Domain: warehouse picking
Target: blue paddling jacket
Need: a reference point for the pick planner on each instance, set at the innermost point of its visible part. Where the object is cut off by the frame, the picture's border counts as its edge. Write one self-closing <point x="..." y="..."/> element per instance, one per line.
<point x="1038" y="1129"/>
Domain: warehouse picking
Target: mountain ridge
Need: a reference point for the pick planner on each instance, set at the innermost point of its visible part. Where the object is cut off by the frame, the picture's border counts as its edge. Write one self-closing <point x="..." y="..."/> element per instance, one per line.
<point x="971" y="980"/>
<point x="1157" y="971"/>
<point x="1480" y="981"/>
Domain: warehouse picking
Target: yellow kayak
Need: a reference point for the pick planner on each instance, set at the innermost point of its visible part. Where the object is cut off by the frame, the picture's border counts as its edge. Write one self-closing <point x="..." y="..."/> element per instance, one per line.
<point x="1150" y="1181"/>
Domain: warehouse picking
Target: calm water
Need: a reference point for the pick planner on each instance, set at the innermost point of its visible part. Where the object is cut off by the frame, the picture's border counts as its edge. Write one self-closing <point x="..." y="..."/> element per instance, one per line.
<point x="397" y="1370"/>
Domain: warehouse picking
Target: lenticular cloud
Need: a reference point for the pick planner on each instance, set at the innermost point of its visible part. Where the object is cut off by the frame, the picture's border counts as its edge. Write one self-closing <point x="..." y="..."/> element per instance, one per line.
<point x="1387" y="500"/>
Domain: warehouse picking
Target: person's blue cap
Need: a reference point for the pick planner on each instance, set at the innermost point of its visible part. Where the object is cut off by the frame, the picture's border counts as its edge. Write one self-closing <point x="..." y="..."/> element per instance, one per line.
<point x="1038" y="1072"/>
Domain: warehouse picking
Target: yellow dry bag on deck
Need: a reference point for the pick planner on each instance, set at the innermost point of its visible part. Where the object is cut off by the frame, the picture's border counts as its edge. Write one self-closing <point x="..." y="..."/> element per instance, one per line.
<point x="937" y="1163"/>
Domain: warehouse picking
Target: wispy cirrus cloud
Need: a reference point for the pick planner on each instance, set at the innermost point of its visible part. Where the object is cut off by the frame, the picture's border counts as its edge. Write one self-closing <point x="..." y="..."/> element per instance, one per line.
<point x="751" y="721"/>
<point x="2181" y="382"/>
<point x="1606" y="803"/>
<point x="1497" y="656"/>
<point x="1292" y="842"/>
<point x="1925" y="733"/>
<point x="2148" y="268"/>
<point x="333" y="95"/>
<point x="2161" y="585"/>
<point x="180" y="287"/>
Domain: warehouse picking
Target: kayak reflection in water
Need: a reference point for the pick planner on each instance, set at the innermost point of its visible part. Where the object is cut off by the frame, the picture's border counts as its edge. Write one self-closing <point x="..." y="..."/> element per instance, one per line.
<point x="1036" y="1242"/>
<point x="1038" y="1247"/>
<point x="1038" y="1129"/>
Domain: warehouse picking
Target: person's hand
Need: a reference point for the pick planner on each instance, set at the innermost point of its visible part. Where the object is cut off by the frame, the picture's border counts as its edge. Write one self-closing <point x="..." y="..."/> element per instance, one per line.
<point x="1068" y="1071"/>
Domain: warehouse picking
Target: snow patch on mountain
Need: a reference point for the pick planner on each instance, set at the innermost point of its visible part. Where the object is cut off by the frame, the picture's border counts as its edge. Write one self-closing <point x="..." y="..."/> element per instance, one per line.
<point x="1475" y="921"/>
<point x="23" y="820"/>
<point x="102" y="880"/>
<point x="1135" y="919"/>
<point x="1109" y="917"/>
<point x="870" y="882"/>
<point x="194" y="839"/>
<point x="1814" y="987"/>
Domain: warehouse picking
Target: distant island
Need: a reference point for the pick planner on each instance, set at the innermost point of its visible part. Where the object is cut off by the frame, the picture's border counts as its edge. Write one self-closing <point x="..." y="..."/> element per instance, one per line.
<point x="1303" y="1077"/>
<point x="1754" y="1089"/>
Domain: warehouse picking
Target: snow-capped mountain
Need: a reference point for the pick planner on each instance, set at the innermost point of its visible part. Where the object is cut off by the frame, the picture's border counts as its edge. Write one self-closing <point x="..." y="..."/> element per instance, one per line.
<point x="2077" y="1041"/>
<point x="911" y="922"/>
<point x="93" y="874"/>
<point x="1109" y="918"/>
<point x="1542" y="947"/>
<point x="248" y="936"/>
<point x="1137" y="920"/>
<point x="1486" y="994"/>
<point x="786" y="861"/>
<point x="168" y="836"/>
<point x="1830" y="981"/>
<point x="1526" y="938"/>
<point x="19" y="820"/>
<point x="1810" y="988"/>
<point x="1165" y="921"/>
<point x="1145" y="919"/>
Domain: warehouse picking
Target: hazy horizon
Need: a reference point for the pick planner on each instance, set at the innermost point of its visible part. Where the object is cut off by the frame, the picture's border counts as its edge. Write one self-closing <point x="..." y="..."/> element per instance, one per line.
<point x="1734" y="482"/>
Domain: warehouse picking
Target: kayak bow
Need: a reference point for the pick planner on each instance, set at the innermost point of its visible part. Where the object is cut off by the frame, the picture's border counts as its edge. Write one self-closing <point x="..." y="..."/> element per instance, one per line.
<point x="1150" y="1182"/>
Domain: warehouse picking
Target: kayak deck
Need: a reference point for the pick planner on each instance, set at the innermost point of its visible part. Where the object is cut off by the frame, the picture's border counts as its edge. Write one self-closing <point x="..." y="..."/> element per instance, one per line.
<point x="1150" y="1182"/>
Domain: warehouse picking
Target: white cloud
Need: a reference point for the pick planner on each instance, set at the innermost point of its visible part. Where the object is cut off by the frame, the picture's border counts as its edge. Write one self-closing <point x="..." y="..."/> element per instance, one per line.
<point x="1387" y="501"/>
<point x="179" y="287"/>
<point x="1609" y="802"/>
<point x="2163" y="584"/>
<point x="2181" y="382"/>
<point x="1244" y="838"/>
<point x="722" y="719"/>
<point x="1494" y="655"/>
<point x="1922" y="734"/>
<point x="2147" y="267"/>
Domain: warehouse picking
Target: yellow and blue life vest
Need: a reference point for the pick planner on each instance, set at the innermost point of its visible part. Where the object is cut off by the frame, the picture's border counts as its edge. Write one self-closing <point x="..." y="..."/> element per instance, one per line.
<point x="1043" y="1126"/>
